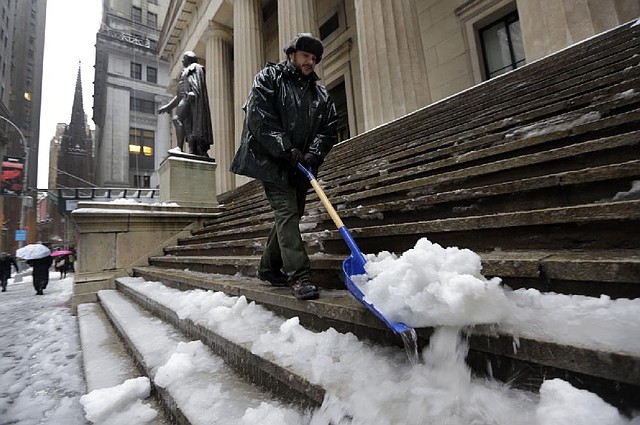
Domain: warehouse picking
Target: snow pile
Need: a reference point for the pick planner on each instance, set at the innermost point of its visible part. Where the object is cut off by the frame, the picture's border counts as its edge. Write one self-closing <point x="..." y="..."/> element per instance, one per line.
<point x="120" y="404"/>
<point x="429" y="285"/>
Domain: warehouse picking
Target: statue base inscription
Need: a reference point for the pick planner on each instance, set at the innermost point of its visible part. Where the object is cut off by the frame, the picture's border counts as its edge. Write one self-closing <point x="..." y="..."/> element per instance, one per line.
<point x="188" y="180"/>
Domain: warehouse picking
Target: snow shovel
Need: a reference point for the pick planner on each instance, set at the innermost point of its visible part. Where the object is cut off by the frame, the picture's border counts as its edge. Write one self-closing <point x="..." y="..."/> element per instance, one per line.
<point x="354" y="264"/>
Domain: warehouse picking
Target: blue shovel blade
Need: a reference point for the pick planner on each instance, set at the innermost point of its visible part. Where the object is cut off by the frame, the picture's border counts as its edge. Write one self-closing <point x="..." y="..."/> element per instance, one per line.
<point x="354" y="265"/>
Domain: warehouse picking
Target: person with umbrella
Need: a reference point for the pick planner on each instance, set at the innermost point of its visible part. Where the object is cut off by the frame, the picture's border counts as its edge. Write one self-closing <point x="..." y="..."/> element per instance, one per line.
<point x="39" y="258"/>
<point x="40" y="272"/>
<point x="6" y="261"/>
<point x="61" y="263"/>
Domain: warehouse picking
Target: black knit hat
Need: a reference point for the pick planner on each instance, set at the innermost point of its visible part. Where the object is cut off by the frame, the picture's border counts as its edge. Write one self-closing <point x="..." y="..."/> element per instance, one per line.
<point x="307" y="43"/>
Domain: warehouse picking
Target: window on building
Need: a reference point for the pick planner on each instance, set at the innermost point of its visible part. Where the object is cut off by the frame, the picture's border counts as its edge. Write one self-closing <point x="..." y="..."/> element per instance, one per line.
<point x="136" y="14"/>
<point x="152" y="75"/>
<point x="141" y="145"/>
<point x="339" y="95"/>
<point x="152" y="19"/>
<point x="332" y="24"/>
<point x="153" y="1"/>
<point x="136" y="71"/>
<point x="142" y="105"/>
<point x="329" y="26"/>
<point x="502" y="45"/>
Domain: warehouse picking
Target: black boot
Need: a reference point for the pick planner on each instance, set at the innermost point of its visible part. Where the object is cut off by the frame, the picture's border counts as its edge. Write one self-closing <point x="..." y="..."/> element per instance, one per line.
<point x="303" y="289"/>
<point x="274" y="278"/>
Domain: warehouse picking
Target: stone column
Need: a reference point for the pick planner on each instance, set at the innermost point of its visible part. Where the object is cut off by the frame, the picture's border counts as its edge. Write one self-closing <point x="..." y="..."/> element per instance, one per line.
<point x="219" y="40"/>
<point x="248" y="58"/>
<point x="392" y="64"/>
<point x="296" y="16"/>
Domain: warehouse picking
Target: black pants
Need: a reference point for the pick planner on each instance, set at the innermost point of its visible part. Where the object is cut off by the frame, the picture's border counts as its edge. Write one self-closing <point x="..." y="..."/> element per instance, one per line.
<point x="285" y="248"/>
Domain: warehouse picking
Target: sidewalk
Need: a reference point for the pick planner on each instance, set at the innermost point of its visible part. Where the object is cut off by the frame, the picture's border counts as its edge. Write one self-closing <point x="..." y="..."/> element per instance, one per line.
<point x="41" y="379"/>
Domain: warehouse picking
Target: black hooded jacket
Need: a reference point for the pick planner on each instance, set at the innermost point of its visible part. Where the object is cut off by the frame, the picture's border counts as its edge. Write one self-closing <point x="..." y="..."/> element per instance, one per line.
<point x="283" y="111"/>
<point x="6" y="261"/>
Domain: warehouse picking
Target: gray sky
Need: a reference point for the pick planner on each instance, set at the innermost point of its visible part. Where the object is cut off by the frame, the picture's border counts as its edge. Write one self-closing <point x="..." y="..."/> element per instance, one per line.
<point x="70" y="37"/>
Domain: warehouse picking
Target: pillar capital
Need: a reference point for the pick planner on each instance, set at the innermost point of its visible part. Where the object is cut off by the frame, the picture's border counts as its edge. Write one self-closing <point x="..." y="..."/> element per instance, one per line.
<point x="217" y="30"/>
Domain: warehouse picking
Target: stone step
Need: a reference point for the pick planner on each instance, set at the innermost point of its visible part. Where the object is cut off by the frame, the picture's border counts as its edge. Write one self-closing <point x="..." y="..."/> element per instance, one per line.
<point x="606" y="370"/>
<point x="612" y="272"/>
<point x="106" y="362"/>
<point x="426" y="172"/>
<point x="619" y="218"/>
<point x="429" y="148"/>
<point x="463" y="169"/>
<point x="441" y="174"/>
<point x="205" y="391"/>
<point x="586" y="185"/>
<point x="566" y="228"/>
<point x="325" y="269"/>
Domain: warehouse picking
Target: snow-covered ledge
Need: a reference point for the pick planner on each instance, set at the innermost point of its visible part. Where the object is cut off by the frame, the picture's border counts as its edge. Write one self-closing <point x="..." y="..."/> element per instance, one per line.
<point x="112" y="238"/>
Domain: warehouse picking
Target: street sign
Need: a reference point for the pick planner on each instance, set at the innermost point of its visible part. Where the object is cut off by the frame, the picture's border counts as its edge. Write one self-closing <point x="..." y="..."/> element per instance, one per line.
<point x="21" y="235"/>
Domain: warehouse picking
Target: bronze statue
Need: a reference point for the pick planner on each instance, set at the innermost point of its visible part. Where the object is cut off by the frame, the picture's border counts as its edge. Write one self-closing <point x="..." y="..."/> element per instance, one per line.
<point x="192" y="117"/>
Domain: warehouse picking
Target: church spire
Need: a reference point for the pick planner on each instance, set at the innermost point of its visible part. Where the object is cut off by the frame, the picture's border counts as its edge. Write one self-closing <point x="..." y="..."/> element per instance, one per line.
<point x="75" y="157"/>
<point x="77" y="110"/>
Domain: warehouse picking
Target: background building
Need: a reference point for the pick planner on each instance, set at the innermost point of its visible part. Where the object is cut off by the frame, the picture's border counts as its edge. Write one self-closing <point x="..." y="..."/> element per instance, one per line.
<point x="71" y="160"/>
<point x="22" y="26"/>
<point x="130" y="82"/>
<point x="54" y="149"/>
<point x="383" y="59"/>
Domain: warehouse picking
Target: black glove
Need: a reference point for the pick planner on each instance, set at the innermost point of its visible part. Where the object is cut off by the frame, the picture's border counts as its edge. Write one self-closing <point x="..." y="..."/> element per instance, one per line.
<point x="294" y="156"/>
<point x="312" y="161"/>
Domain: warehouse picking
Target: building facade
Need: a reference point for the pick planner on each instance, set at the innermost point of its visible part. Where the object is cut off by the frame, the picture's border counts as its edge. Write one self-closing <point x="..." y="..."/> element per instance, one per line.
<point x="383" y="59"/>
<point x="54" y="150"/>
<point x="22" y="30"/>
<point x="6" y="49"/>
<point x="130" y="82"/>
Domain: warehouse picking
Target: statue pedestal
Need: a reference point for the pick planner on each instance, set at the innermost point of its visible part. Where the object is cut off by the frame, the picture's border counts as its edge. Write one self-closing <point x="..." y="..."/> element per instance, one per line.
<point x="188" y="180"/>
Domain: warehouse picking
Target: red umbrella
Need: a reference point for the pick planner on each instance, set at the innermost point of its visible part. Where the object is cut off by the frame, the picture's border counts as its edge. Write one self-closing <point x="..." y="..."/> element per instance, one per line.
<point x="61" y="252"/>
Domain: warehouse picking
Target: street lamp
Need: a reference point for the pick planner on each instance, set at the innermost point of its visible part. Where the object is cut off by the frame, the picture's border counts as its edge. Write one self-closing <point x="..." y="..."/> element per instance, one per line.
<point x="26" y="175"/>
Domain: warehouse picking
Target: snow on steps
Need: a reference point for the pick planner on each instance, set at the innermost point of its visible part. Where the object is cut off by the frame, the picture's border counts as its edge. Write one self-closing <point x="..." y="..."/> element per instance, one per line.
<point x="154" y="319"/>
<point x="106" y="362"/>
<point x="614" y="375"/>
<point x="207" y="392"/>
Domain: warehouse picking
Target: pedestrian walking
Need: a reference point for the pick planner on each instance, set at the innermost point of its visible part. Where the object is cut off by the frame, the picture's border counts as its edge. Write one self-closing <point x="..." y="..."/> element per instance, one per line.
<point x="61" y="266"/>
<point x="71" y="260"/>
<point x="6" y="261"/>
<point x="40" y="273"/>
<point x="289" y="119"/>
